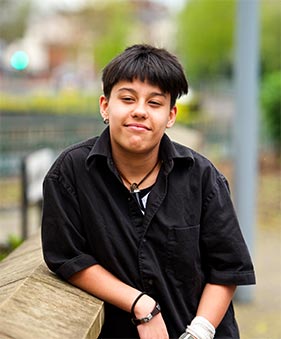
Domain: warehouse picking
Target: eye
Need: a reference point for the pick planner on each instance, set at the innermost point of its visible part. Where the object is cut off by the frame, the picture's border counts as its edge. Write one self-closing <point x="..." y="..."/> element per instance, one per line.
<point x="155" y="103"/>
<point x="127" y="99"/>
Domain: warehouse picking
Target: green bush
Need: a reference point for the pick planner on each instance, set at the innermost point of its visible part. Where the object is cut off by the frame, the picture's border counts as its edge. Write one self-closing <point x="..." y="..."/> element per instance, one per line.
<point x="67" y="102"/>
<point x="271" y="106"/>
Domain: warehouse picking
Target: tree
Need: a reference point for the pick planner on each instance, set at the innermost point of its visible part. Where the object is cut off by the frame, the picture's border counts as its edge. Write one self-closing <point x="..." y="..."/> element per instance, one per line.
<point x="206" y="30"/>
<point x="205" y="37"/>
<point x="114" y="23"/>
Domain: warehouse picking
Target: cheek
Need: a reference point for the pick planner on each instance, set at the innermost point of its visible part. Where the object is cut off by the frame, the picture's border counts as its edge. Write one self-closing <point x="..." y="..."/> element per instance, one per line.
<point x="114" y="114"/>
<point x="162" y="119"/>
<point x="116" y="110"/>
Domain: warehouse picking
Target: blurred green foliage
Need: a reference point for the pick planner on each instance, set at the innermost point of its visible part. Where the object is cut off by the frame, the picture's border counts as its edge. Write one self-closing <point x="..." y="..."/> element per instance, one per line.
<point x="271" y="104"/>
<point x="65" y="102"/>
<point x="188" y="108"/>
<point x="205" y="38"/>
<point x="206" y="31"/>
<point x="114" y="22"/>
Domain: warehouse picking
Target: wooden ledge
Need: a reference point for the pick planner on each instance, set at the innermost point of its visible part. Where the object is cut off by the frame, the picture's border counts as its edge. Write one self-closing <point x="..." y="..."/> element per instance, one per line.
<point x="35" y="303"/>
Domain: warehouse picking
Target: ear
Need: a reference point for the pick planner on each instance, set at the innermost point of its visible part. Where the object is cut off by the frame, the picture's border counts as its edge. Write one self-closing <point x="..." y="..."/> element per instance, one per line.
<point x="172" y="117"/>
<point x="103" y="102"/>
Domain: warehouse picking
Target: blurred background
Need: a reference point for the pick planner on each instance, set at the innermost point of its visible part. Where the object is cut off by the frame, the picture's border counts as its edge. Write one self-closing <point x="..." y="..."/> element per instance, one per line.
<point x="51" y="57"/>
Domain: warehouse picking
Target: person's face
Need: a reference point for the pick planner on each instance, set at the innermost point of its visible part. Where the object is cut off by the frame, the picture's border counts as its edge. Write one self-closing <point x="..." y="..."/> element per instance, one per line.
<point x="138" y="115"/>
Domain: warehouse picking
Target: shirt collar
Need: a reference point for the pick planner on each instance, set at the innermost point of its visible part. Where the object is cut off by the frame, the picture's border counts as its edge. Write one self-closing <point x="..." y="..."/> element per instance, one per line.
<point x="169" y="150"/>
<point x="101" y="148"/>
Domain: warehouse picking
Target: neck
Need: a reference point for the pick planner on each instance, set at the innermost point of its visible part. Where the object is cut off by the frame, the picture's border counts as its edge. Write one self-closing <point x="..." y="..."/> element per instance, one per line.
<point x="134" y="164"/>
<point x="135" y="169"/>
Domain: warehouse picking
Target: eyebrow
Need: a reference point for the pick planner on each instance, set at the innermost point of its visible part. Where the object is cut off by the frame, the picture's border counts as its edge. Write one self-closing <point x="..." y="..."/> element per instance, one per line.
<point x="135" y="92"/>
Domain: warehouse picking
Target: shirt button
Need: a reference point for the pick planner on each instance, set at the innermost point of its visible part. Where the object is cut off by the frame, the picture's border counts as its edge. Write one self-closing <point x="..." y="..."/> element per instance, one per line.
<point x="144" y="240"/>
<point x="150" y="282"/>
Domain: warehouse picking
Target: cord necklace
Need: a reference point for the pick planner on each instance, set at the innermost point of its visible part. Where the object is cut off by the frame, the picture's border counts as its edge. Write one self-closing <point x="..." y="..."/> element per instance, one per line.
<point x="134" y="187"/>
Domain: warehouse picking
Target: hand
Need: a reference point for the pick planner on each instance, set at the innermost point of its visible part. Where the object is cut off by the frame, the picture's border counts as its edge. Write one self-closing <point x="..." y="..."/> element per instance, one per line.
<point x="154" y="329"/>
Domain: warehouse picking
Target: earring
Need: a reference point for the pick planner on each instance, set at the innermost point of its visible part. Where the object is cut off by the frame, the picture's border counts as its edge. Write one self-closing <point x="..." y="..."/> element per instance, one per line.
<point x="106" y="121"/>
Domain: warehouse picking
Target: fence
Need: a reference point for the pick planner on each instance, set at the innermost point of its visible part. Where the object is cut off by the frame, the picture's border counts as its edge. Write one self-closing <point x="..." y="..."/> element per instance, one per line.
<point x="22" y="134"/>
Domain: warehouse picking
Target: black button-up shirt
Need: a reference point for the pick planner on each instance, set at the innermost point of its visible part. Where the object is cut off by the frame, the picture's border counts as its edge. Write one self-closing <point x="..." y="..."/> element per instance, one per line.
<point x="188" y="236"/>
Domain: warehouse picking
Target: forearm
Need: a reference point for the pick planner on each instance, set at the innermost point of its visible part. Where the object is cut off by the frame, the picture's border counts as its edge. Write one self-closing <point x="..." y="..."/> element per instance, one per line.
<point x="212" y="307"/>
<point x="214" y="302"/>
<point x="101" y="283"/>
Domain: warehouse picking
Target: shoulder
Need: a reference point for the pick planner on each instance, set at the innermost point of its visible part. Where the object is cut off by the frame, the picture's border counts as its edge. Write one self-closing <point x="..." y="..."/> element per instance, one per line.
<point x="201" y="171"/>
<point x="200" y="164"/>
<point x="179" y="152"/>
<point x="73" y="156"/>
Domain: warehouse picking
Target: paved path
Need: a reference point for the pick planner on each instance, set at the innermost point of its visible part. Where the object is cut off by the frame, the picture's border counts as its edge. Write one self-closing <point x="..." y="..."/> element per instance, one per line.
<point x="261" y="319"/>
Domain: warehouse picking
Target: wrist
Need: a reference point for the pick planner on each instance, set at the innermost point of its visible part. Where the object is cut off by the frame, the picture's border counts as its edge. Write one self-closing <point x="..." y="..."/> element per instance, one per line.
<point x="144" y="306"/>
<point x="144" y="309"/>
<point x="138" y="321"/>
<point x="201" y="328"/>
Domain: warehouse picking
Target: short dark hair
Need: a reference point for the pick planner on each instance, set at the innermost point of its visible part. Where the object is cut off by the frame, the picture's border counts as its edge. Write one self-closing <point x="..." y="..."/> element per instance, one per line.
<point x="155" y="65"/>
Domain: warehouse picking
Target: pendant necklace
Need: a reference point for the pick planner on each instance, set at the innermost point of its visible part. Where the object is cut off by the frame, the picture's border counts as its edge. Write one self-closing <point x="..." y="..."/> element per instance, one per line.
<point x="134" y="187"/>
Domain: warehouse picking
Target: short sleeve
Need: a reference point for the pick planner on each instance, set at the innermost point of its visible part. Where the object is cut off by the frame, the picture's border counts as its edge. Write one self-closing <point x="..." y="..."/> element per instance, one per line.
<point x="63" y="241"/>
<point x="224" y="249"/>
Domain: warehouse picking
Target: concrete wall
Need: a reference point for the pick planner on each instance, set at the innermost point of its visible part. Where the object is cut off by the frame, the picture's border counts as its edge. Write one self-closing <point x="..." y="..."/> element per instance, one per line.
<point x="34" y="303"/>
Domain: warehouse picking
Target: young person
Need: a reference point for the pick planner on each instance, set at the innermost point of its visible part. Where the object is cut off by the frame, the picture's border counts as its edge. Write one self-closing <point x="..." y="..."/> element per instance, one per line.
<point x="141" y="222"/>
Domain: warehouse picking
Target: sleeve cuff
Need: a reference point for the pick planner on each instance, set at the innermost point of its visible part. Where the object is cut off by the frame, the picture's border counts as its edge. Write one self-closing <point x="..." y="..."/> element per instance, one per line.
<point x="75" y="265"/>
<point x="232" y="278"/>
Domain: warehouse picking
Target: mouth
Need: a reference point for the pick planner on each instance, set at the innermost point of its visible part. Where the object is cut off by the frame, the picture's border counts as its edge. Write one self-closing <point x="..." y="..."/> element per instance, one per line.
<point x="138" y="127"/>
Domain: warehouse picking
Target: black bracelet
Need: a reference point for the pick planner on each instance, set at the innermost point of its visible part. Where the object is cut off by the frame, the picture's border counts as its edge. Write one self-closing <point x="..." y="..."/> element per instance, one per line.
<point x="154" y="312"/>
<point x="135" y="302"/>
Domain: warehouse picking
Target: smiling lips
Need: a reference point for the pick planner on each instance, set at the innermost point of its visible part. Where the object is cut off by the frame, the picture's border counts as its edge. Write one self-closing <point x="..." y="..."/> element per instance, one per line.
<point x="138" y="127"/>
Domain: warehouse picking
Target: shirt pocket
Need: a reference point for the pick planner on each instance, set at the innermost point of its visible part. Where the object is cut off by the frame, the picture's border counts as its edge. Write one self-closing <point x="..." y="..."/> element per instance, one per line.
<point x="183" y="253"/>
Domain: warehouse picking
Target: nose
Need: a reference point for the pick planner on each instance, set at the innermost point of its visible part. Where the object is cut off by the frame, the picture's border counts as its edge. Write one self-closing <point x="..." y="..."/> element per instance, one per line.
<point x="140" y="111"/>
